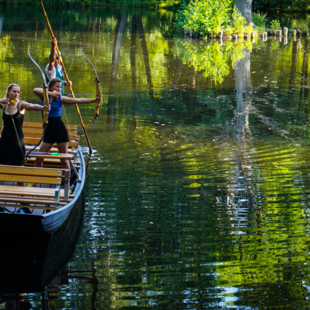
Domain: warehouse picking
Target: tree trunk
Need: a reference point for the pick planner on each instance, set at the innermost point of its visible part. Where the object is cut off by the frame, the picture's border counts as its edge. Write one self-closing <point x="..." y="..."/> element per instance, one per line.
<point x="133" y="42"/>
<point x="245" y="8"/>
<point x="1" y="23"/>
<point x="145" y="55"/>
<point x="243" y="97"/>
<point x="119" y="33"/>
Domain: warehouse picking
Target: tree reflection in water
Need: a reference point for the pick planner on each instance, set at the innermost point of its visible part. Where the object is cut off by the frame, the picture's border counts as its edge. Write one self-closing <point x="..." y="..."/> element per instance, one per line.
<point x="197" y="196"/>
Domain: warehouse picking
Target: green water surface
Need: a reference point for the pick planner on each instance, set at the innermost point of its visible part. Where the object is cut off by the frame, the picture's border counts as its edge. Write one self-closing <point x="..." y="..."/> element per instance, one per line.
<point x="198" y="191"/>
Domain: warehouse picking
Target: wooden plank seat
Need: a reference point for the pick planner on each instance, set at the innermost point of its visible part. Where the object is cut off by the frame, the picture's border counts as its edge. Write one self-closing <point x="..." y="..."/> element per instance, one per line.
<point x="50" y="163"/>
<point x="34" y="200"/>
<point x="40" y="130"/>
<point x="31" y="191"/>
<point x="53" y="161"/>
<point x="53" y="149"/>
<point x="36" y="141"/>
<point x="51" y="158"/>
<point x="37" y="133"/>
<point x="39" y="125"/>
<point x="8" y="206"/>
<point x="54" y="155"/>
<point x="72" y="137"/>
<point x="34" y="195"/>
<point x="33" y="128"/>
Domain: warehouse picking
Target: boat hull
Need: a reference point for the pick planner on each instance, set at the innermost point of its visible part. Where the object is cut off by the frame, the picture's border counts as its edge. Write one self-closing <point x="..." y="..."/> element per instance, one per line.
<point x="31" y="261"/>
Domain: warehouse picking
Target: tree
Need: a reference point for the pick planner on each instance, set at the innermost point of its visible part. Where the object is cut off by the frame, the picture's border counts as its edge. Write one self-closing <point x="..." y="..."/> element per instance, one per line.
<point x="245" y="8"/>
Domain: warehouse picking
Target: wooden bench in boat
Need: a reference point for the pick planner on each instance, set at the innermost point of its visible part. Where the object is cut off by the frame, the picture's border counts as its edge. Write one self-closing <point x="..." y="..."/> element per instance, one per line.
<point x="31" y="140"/>
<point x="39" y="125"/>
<point x="53" y="149"/>
<point x="32" y="134"/>
<point x="51" y="159"/>
<point x="34" y="127"/>
<point x="55" y="157"/>
<point x="36" y="196"/>
<point x="37" y="133"/>
<point x="34" y="130"/>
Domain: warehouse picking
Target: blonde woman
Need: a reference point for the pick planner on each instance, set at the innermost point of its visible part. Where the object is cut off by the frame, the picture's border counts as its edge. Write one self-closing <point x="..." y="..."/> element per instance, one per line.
<point x="12" y="148"/>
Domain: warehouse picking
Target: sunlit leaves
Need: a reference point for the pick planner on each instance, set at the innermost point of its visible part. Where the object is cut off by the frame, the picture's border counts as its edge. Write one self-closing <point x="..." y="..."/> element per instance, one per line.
<point x="205" y="17"/>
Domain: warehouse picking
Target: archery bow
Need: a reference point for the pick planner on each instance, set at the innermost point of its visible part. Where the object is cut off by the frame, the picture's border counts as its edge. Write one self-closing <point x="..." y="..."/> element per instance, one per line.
<point x="67" y="78"/>
<point x="45" y="101"/>
<point x="97" y="83"/>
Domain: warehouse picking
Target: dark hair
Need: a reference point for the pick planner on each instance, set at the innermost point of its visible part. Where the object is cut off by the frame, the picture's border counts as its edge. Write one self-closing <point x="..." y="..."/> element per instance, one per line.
<point x="10" y="88"/>
<point x="52" y="82"/>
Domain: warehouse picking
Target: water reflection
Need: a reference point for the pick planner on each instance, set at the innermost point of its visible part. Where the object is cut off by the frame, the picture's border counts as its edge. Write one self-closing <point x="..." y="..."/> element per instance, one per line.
<point x="214" y="59"/>
<point x="197" y="193"/>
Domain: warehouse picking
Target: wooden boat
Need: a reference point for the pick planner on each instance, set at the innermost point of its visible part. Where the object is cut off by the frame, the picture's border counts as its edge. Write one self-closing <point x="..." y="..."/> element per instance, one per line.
<point x="49" y="203"/>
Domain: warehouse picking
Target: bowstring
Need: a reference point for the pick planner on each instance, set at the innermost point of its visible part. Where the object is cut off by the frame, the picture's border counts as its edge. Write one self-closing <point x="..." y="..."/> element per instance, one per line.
<point x="20" y="145"/>
<point x="63" y="107"/>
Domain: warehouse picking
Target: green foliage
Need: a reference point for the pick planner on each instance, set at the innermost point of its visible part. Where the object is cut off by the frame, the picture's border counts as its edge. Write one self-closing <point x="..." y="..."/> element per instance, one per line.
<point x="261" y="5"/>
<point x="205" y="16"/>
<point x="86" y="2"/>
<point x="274" y="26"/>
<point x="259" y="19"/>
<point x="210" y="17"/>
<point x="144" y="3"/>
<point x="171" y="3"/>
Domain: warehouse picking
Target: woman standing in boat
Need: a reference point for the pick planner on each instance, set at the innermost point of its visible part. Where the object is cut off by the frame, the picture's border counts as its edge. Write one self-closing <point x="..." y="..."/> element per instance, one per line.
<point x="56" y="131"/>
<point x="12" y="148"/>
<point x="53" y="68"/>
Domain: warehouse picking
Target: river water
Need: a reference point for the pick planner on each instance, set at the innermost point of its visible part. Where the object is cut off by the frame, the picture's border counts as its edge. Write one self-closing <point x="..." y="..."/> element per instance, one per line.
<point x="197" y="195"/>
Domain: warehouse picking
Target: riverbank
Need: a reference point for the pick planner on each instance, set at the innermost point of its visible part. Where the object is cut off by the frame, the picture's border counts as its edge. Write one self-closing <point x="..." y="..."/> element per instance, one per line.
<point x="90" y="3"/>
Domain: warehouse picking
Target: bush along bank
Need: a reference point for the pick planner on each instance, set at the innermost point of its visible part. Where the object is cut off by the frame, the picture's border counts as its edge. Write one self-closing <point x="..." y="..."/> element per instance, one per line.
<point x="113" y="3"/>
<point x="211" y="18"/>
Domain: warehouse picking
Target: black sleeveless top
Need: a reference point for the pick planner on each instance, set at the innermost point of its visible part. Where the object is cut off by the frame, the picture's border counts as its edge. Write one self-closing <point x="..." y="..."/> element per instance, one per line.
<point x="12" y="148"/>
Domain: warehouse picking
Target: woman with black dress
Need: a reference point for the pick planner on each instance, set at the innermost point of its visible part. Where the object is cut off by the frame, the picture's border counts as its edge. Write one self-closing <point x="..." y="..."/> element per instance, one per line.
<point x="12" y="148"/>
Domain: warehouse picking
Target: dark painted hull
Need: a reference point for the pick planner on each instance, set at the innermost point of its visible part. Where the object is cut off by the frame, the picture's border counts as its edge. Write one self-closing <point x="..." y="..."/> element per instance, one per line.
<point x="31" y="261"/>
<point x="49" y="222"/>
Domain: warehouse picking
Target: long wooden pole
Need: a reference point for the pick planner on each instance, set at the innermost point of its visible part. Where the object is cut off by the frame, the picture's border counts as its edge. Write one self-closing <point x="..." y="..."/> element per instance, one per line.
<point x="67" y="78"/>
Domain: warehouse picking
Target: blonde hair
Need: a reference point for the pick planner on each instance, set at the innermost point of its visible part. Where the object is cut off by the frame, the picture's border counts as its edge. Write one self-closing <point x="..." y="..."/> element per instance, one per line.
<point x="10" y="88"/>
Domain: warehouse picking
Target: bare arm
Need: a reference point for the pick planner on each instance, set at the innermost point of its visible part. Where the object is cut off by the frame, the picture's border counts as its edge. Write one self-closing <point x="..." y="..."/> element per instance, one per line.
<point x="39" y="93"/>
<point x="67" y="100"/>
<point x="31" y="106"/>
<point x="52" y="55"/>
<point x="3" y="102"/>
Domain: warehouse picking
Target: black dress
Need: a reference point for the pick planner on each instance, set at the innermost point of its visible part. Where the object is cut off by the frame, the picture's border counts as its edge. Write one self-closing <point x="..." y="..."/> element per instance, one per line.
<point x="12" y="148"/>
